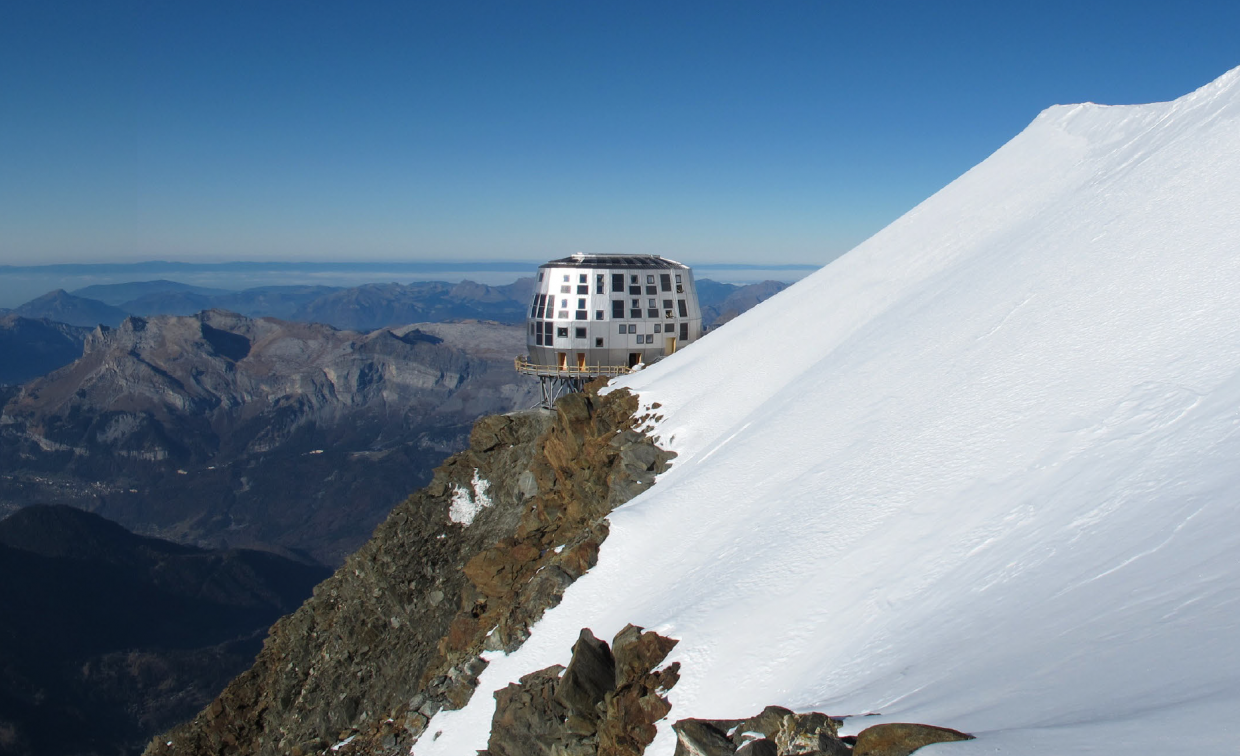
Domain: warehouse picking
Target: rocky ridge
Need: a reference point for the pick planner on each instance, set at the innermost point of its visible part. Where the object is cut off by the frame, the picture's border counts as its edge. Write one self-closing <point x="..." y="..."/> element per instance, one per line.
<point x="465" y="565"/>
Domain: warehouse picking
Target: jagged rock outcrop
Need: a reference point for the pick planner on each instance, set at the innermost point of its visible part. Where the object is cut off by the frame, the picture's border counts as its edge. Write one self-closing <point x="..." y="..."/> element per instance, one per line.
<point x="464" y="565"/>
<point x="221" y="430"/>
<point x="605" y="703"/>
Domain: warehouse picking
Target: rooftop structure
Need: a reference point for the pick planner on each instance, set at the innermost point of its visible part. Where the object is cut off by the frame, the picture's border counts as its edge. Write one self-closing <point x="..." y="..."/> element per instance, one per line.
<point x="605" y="315"/>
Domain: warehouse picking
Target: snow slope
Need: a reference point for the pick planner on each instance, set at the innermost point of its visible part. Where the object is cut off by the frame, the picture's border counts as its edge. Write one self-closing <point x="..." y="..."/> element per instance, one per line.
<point x="982" y="471"/>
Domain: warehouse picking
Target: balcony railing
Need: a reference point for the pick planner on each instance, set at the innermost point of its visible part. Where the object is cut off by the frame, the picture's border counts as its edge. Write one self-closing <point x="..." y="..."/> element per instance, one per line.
<point x="525" y="367"/>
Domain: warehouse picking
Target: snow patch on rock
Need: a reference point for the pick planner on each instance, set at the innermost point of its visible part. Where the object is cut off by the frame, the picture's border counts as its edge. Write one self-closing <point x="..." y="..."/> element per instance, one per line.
<point x="468" y="502"/>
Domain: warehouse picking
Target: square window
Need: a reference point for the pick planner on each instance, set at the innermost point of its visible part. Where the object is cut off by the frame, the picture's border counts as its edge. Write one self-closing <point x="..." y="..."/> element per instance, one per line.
<point x="598" y="314"/>
<point x="649" y="279"/>
<point x="598" y="341"/>
<point x="632" y="328"/>
<point x="565" y="278"/>
<point x="562" y="315"/>
<point x="650" y="303"/>
<point x="566" y="290"/>
<point x="656" y="328"/>
<point x="635" y="290"/>
<point x="632" y="279"/>
<point x="579" y="332"/>
<point x="652" y="290"/>
<point x="583" y="290"/>
<point x="667" y="304"/>
<point x="636" y="303"/>
<point x="581" y="304"/>
<point x="581" y="315"/>
<point x="652" y="313"/>
<point x="678" y="278"/>
<point x="581" y="278"/>
<point x="561" y="332"/>
<point x="624" y="328"/>
<point x="636" y="314"/>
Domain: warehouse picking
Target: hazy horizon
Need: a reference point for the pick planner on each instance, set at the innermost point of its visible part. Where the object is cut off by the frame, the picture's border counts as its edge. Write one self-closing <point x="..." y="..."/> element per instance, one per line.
<point x="21" y="283"/>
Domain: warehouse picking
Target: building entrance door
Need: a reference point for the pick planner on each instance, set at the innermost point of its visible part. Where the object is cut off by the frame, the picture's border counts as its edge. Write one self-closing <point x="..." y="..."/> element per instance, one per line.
<point x="561" y="360"/>
<point x="581" y="360"/>
<point x="671" y="345"/>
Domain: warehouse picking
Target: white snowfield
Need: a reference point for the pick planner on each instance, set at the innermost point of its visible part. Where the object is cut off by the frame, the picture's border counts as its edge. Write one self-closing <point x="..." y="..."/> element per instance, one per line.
<point x="981" y="472"/>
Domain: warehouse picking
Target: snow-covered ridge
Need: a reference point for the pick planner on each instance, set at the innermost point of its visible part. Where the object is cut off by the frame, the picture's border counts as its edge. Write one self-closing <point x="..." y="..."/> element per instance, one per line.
<point x="980" y="471"/>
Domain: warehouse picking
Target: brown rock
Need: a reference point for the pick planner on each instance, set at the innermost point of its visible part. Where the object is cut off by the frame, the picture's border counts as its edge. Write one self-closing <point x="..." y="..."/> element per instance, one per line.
<point x="638" y="653"/>
<point x="900" y="739"/>
<point x="588" y="678"/>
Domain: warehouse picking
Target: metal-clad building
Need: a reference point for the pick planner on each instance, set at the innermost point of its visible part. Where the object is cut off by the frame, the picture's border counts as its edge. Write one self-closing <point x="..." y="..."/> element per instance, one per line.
<point x="598" y="315"/>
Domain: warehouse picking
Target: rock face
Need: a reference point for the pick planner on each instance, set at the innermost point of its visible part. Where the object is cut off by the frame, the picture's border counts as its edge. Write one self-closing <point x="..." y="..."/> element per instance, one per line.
<point x="108" y="637"/>
<point x="603" y="704"/>
<point x="395" y="634"/>
<point x="224" y="431"/>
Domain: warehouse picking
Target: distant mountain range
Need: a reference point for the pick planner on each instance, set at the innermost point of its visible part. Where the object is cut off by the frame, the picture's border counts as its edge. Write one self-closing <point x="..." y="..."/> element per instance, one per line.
<point x="222" y="430"/>
<point x="62" y="307"/>
<point x="361" y="308"/>
<point x="108" y="637"/>
<point x="28" y="351"/>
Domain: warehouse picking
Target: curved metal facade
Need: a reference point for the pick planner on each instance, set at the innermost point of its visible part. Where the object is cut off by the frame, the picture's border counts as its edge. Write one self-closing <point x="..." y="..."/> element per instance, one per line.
<point x="597" y="311"/>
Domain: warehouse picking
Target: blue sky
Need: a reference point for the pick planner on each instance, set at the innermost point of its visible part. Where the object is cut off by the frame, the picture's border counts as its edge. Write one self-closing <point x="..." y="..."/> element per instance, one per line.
<point x="772" y="132"/>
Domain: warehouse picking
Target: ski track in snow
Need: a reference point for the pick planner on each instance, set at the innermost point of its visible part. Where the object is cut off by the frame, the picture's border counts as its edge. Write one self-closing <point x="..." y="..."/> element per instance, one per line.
<point x="979" y="472"/>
